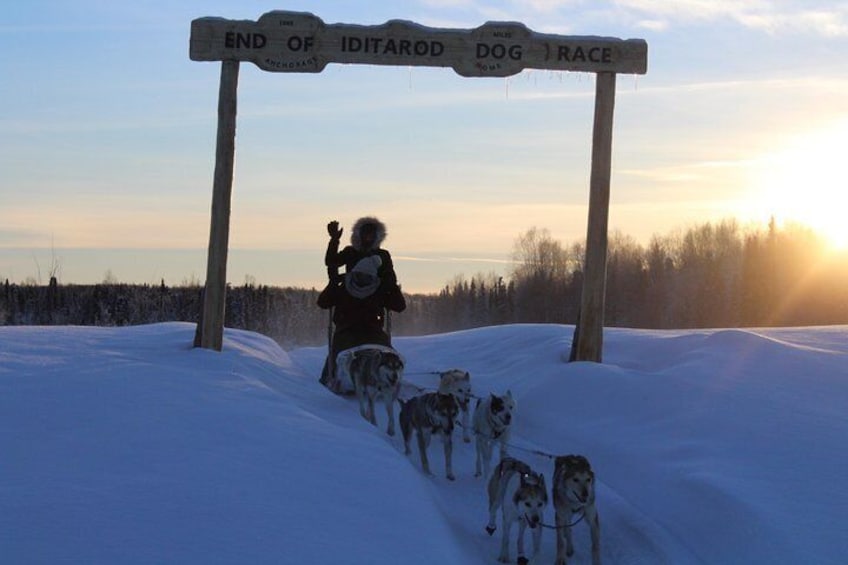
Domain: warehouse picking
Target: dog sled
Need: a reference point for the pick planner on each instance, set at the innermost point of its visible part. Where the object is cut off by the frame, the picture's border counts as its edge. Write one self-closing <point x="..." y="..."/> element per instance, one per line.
<point x="362" y="307"/>
<point x="339" y="378"/>
<point x="336" y="372"/>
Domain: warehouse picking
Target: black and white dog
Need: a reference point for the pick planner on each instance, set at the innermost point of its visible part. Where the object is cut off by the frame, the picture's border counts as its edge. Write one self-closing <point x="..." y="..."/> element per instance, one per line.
<point x="376" y="373"/>
<point x="522" y="495"/>
<point x="574" y="492"/>
<point x="492" y="423"/>
<point x="428" y="414"/>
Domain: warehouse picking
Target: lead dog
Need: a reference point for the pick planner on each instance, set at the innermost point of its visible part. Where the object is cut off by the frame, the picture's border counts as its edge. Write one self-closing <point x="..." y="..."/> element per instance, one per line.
<point x="458" y="383"/>
<point x="522" y="494"/>
<point x="492" y="423"/>
<point x="425" y="415"/>
<point x="376" y="373"/>
<point x="574" y="492"/>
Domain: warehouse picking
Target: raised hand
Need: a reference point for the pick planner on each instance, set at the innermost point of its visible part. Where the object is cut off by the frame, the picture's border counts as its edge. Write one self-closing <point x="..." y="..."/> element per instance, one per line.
<point x="334" y="230"/>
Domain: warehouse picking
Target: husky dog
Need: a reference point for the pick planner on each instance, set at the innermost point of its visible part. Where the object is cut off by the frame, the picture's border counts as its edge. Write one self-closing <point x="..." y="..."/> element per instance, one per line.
<point x="492" y="420"/>
<point x="458" y="383"/>
<point x="573" y="492"/>
<point x="428" y="414"/>
<point x="523" y="495"/>
<point x="376" y="373"/>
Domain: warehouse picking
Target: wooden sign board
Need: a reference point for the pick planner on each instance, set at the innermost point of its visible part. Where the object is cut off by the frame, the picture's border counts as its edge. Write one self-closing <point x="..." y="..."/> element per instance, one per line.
<point x="282" y="41"/>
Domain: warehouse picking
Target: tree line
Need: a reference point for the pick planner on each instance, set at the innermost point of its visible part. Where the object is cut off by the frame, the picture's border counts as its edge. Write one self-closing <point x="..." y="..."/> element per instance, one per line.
<point x="711" y="275"/>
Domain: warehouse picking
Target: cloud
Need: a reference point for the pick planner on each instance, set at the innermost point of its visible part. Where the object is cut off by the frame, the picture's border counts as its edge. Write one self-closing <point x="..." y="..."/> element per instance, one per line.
<point x="829" y="23"/>
<point x="443" y="259"/>
<point x="652" y="25"/>
<point x="821" y="18"/>
<point x="686" y="172"/>
<point x="16" y="237"/>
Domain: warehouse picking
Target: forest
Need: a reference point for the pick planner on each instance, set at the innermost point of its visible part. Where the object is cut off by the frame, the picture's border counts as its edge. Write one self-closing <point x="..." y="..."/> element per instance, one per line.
<point x="709" y="275"/>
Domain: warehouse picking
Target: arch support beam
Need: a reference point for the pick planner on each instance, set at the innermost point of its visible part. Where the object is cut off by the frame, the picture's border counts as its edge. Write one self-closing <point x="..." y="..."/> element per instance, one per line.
<point x="590" y="326"/>
<point x="211" y="324"/>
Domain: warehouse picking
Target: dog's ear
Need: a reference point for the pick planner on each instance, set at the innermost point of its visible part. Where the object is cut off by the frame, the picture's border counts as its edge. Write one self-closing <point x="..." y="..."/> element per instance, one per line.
<point x="509" y="394"/>
<point x="581" y="463"/>
<point x="496" y="404"/>
<point x="467" y="375"/>
<point x="566" y="463"/>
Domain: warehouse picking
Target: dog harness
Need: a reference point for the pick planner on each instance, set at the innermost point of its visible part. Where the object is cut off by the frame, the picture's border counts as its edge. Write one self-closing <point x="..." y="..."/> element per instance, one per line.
<point x="496" y="426"/>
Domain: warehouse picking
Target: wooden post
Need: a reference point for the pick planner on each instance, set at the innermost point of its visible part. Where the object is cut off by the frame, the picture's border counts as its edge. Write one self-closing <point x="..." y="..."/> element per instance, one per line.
<point x="214" y="298"/>
<point x="590" y="327"/>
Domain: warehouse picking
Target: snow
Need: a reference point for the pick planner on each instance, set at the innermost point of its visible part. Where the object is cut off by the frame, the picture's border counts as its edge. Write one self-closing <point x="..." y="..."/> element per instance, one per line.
<point x="126" y="445"/>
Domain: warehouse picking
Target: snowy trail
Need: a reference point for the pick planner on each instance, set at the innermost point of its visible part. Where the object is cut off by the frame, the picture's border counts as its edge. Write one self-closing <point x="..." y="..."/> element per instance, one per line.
<point x="629" y="535"/>
<point x="126" y="445"/>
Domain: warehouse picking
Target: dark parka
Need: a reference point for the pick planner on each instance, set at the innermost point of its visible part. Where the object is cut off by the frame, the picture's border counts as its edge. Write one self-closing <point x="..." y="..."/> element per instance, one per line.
<point x="360" y="320"/>
<point x="351" y="254"/>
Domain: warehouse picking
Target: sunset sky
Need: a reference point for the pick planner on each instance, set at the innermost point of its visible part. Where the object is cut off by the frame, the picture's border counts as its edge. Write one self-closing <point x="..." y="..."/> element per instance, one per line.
<point x="107" y="137"/>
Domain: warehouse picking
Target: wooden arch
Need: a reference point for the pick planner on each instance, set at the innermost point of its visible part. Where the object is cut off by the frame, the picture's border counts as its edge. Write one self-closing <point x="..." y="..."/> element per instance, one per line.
<point x="283" y="41"/>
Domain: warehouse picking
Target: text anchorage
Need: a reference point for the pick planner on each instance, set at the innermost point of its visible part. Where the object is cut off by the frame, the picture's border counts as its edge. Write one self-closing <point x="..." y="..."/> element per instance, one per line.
<point x="300" y="42"/>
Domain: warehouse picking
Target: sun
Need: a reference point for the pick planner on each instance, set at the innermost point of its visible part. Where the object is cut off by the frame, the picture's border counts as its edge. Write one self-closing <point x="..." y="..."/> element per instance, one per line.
<point x="805" y="181"/>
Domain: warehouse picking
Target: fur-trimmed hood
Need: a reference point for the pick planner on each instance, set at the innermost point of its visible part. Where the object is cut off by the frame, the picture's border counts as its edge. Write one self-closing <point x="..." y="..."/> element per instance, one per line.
<point x="355" y="240"/>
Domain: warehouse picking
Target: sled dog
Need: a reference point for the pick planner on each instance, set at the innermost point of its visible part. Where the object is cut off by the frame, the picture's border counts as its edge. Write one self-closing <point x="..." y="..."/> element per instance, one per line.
<point x="376" y="373"/>
<point x="457" y="382"/>
<point x="492" y="421"/>
<point x="522" y="495"/>
<point x="428" y="414"/>
<point x="574" y="492"/>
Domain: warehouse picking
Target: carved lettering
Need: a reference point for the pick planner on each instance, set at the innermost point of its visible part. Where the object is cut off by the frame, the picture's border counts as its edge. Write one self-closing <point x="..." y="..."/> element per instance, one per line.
<point x="290" y="65"/>
<point x="391" y="46"/>
<point x="234" y="40"/>
<point x="299" y="41"/>
<point x="498" y="51"/>
<point x="581" y="55"/>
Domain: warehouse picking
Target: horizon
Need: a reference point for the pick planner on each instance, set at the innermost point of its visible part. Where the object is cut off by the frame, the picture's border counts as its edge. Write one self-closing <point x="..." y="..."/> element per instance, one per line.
<point x="300" y="268"/>
<point x="743" y="113"/>
<point x="186" y="267"/>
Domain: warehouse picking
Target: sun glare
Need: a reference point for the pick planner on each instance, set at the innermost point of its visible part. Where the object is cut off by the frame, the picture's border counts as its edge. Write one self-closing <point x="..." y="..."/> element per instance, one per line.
<point x="805" y="182"/>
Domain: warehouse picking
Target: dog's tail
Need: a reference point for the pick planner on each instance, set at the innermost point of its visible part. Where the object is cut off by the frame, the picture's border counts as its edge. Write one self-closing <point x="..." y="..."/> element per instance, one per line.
<point x="509" y="465"/>
<point x="503" y="472"/>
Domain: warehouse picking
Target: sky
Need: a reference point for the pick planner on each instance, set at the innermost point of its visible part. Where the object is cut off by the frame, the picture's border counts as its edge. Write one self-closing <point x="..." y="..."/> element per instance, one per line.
<point x="125" y="445"/>
<point x="107" y="138"/>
